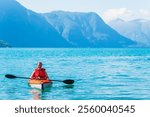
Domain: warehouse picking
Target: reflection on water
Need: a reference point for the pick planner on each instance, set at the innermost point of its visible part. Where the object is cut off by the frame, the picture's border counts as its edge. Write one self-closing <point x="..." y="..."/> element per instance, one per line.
<point x="37" y="93"/>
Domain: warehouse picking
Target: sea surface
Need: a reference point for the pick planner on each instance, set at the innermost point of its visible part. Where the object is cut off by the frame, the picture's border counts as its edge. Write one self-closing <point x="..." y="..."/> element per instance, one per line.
<point x="99" y="74"/>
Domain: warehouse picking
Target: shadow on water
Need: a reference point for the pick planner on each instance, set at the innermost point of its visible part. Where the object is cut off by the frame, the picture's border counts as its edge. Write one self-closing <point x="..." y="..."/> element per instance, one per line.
<point x="68" y="86"/>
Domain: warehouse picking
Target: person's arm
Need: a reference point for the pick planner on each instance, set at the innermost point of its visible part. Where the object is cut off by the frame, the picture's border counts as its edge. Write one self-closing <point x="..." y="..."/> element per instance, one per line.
<point x="32" y="75"/>
<point x="46" y="76"/>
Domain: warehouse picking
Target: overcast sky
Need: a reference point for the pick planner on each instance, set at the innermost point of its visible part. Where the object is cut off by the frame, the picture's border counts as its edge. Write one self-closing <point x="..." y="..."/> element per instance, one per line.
<point x="107" y="9"/>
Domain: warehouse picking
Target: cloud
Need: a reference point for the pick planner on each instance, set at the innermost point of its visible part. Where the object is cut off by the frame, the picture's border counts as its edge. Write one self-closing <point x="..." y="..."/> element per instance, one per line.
<point x="144" y="14"/>
<point x="111" y="14"/>
<point x="125" y="14"/>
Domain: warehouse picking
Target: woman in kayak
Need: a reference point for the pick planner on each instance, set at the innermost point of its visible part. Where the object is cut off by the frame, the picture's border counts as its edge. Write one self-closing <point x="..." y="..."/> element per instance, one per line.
<point x="39" y="73"/>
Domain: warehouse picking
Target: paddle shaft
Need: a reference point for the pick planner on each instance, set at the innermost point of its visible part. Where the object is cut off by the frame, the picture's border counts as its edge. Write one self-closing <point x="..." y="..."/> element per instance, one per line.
<point x="64" y="81"/>
<point x="23" y="77"/>
<point x="58" y="80"/>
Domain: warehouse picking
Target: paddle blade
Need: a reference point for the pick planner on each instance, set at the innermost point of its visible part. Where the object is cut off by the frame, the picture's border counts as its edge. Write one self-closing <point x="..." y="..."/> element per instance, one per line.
<point x="68" y="81"/>
<point x="10" y="76"/>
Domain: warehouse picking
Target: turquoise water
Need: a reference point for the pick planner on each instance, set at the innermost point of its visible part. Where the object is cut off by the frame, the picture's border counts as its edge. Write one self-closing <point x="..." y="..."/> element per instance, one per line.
<point x="99" y="74"/>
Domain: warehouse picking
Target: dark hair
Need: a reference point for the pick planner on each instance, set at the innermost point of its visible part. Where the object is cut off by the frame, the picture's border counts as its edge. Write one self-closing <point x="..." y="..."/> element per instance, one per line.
<point x="40" y="63"/>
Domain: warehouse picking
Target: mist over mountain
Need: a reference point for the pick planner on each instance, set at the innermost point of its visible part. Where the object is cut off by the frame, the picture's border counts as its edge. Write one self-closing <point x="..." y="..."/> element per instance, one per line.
<point x="138" y="30"/>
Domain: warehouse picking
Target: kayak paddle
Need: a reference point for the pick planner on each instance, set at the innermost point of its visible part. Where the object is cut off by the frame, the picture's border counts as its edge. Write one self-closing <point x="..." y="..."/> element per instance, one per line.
<point x="10" y="76"/>
<point x="69" y="81"/>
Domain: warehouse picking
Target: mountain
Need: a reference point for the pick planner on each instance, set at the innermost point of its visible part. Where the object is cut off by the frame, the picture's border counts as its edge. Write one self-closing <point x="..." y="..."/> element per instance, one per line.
<point x="85" y="30"/>
<point x="138" y="30"/>
<point x="21" y="27"/>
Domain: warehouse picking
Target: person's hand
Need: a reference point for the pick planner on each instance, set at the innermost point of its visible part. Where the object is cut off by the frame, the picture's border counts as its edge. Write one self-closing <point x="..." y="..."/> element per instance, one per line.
<point x="32" y="78"/>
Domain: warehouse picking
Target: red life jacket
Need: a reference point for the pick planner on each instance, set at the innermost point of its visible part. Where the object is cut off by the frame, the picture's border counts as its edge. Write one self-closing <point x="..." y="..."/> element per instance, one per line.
<point x="39" y="74"/>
